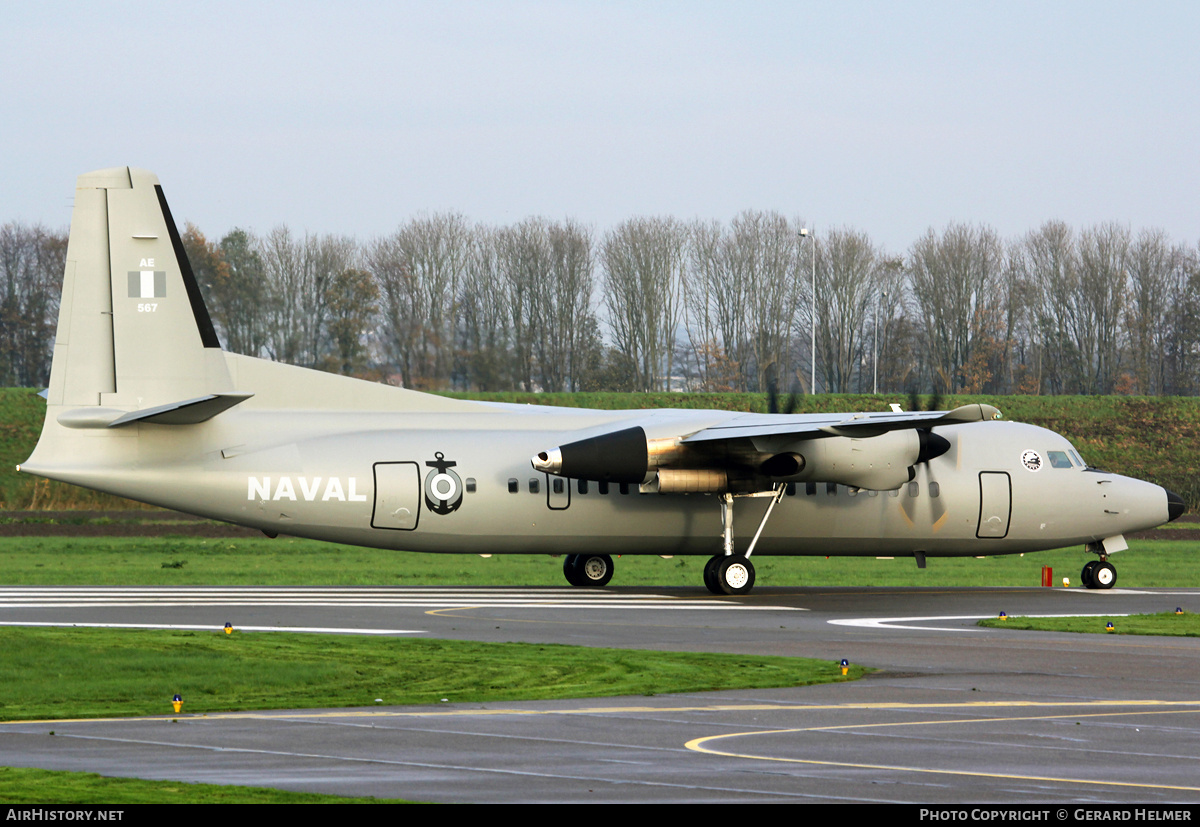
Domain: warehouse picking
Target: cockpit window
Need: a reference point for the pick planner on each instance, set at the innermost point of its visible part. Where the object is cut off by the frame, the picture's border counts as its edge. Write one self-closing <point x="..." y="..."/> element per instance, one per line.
<point x="1059" y="459"/>
<point x="1078" y="460"/>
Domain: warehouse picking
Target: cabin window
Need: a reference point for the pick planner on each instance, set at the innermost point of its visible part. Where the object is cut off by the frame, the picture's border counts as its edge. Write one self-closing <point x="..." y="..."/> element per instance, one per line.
<point x="1059" y="459"/>
<point x="894" y="493"/>
<point x="851" y="491"/>
<point x="470" y="485"/>
<point x="534" y="486"/>
<point x="831" y="489"/>
<point x="558" y="485"/>
<point x="914" y="489"/>
<point x="513" y="486"/>
<point x="624" y="488"/>
<point x="935" y="490"/>
<point x="583" y="486"/>
<point x="871" y="492"/>
<point x="810" y="489"/>
<point x="790" y="489"/>
<point x="602" y="487"/>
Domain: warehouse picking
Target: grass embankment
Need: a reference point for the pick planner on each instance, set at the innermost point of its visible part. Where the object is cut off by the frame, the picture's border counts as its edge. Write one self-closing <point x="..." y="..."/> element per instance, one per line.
<point x="19" y="785"/>
<point x="1153" y="438"/>
<point x="286" y="561"/>
<point x="1167" y="624"/>
<point x="72" y="672"/>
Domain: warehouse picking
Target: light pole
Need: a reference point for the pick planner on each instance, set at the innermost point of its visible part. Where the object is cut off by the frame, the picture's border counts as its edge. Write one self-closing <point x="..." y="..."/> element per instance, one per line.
<point x="875" y="358"/>
<point x="805" y="233"/>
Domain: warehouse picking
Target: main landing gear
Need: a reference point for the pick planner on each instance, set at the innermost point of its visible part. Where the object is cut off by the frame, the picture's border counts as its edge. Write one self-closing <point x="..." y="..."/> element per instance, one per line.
<point x="727" y="572"/>
<point x="593" y="570"/>
<point x="1099" y="574"/>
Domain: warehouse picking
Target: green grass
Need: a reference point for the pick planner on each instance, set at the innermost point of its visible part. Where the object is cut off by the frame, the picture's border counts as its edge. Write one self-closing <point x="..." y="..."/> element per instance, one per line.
<point x="1167" y="624"/>
<point x="188" y="561"/>
<point x="49" y="673"/>
<point x="19" y="785"/>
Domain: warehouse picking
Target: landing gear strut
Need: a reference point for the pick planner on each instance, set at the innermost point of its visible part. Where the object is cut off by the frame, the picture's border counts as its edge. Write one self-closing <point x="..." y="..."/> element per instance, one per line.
<point x="592" y="570"/>
<point x="727" y="572"/>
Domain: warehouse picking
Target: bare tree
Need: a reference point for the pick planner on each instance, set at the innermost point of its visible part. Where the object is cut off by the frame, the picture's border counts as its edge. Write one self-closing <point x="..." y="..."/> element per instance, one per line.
<point x="243" y="294"/>
<point x="352" y="301"/>
<point x="847" y="267"/>
<point x="300" y="272"/>
<point x="524" y="258"/>
<point x="1103" y="287"/>
<point x="420" y="269"/>
<point x="32" y="260"/>
<point x="484" y="318"/>
<point x="745" y="292"/>
<point x="1155" y="278"/>
<point x="955" y="281"/>
<point x="549" y="271"/>
<point x="643" y="291"/>
<point x="1182" y="353"/>
<point x="715" y="319"/>
<point x="565" y="306"/>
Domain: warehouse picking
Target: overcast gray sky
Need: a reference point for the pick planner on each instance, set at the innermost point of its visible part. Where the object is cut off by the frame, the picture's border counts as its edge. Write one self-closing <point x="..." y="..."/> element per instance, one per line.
<point x="351" y="117"/>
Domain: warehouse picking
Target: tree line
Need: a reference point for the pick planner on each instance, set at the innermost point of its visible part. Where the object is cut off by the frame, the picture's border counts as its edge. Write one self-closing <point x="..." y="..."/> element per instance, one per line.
<point x="662" y="304"/>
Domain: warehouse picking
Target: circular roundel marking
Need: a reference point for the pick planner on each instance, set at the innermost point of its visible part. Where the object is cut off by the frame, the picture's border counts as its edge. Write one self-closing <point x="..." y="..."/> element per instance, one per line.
<point x="443" y="487"/>
<point x="1032" y="460"/>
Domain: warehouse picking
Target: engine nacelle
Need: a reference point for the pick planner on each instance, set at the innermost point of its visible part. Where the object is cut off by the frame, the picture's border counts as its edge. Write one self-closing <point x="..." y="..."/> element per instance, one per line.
<point x="619" y="456"/>
<point x="879" y="463"/>
<point x="882" y="462"/>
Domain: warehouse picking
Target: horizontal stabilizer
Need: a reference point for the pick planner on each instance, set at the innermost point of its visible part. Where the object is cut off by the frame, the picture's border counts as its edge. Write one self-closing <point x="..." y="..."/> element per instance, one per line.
<point x="187" y="412"/>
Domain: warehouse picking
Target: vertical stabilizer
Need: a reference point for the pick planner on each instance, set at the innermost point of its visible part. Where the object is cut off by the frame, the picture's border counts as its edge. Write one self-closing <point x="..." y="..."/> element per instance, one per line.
<point x="133" y="331"/>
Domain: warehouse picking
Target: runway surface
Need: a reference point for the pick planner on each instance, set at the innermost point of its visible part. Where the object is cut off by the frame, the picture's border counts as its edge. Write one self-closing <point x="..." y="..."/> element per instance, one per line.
<point x="955" y="713"/>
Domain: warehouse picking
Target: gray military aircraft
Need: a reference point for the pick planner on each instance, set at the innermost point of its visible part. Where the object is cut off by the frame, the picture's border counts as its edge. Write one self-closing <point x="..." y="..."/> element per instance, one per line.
<point x="144" y="403"/>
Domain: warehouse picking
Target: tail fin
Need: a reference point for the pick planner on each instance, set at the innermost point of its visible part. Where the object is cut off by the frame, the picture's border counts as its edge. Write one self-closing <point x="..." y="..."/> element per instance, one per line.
<point x="133" y="331"/>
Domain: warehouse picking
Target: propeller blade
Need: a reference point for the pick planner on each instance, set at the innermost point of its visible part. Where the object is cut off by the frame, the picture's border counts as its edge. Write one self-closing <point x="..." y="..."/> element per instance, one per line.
<point x="772" y="397"/>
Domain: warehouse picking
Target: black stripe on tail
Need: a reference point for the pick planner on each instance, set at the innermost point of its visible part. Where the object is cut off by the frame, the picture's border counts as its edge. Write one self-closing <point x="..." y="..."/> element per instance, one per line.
<point x="208" y="334"/>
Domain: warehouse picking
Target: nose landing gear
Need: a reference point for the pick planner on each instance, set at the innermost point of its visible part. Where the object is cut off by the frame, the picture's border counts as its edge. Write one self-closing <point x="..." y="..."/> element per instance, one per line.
<point x="1099" y="574"/>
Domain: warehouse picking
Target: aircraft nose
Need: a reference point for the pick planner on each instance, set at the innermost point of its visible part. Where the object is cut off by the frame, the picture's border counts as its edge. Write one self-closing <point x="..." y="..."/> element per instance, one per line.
<point x="1175" y="505"/>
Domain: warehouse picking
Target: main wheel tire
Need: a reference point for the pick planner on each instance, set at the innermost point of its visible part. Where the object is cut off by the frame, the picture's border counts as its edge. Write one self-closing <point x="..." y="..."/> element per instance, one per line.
<point x="569" y="569"/>
<point x="735" y="575"/>
<point x="1104" y="575"/>
<point x="710" y="574"/>
<point x="1088" y="576"/>
<point x="588" y="570"/>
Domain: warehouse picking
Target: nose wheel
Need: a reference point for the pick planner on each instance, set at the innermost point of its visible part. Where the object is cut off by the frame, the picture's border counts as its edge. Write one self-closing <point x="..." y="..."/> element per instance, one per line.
<point x="1099" y="574"/>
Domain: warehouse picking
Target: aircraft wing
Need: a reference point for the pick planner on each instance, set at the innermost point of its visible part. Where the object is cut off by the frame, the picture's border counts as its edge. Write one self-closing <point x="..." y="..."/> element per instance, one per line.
<point x="859" y="425"/>
<point x="755" y="452"/>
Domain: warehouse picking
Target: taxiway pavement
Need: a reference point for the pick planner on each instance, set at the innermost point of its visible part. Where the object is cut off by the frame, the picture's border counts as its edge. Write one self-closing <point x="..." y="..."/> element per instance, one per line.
<point x="955" y="713"/>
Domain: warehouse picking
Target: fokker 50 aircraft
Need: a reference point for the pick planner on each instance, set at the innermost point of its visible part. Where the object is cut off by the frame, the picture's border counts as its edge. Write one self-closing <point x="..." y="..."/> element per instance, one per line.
<point x="144" y="403"/>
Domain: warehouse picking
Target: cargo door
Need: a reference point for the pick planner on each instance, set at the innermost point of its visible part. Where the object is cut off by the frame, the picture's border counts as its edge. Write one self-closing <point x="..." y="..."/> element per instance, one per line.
<point x="397" y="495"/>
<point x="995" y="504"/>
